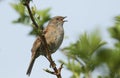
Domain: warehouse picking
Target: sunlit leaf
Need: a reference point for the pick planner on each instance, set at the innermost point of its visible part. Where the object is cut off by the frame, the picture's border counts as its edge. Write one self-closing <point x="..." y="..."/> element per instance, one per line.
<point x="19" y="8"/>
<point x="40" y="16"/>
<point x="115" y="30"/>
<point x="74" y="67"/>
<point x="85" y="46"/>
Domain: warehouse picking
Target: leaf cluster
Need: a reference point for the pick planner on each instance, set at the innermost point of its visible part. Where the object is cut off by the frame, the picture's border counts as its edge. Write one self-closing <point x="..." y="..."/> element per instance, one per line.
<point x="89" y="51"/>
<point x="41" y="16"/>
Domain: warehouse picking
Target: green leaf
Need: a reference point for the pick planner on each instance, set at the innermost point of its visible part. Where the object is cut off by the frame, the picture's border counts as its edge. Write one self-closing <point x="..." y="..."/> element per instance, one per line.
<point x="74" y="67"/>
<point x="115" y="30"/>
<point x="85" y="46"/>
<point x="19" y="8"/>
<point x="43" y="15"/>
<point x="40" y="16"/>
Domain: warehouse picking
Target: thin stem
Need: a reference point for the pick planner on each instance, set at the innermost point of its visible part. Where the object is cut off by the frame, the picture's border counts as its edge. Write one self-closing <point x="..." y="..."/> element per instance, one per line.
<point x="30" y="13"/>
<point x="57" y="71"/>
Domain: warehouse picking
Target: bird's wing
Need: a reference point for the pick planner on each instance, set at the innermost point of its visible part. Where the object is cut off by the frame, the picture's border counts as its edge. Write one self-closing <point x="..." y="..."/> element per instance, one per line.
<point x="34" y="51"/>
<point x="36" y="45"/>
<point x="45" y="30"/>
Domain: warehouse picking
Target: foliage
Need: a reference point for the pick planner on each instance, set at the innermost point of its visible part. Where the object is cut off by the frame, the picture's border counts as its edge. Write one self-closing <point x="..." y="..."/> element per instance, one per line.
<point x="84" y="50"/>
<point x="41" y="16"/>
<point x="115" y="30"/>
<point x="74" y="67"/>
<point x="89" y="51"/>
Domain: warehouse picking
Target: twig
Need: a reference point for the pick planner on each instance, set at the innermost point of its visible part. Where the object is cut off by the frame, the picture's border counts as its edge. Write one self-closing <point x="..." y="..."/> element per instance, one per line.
<point x="56" y="72"/>
<point x="30" y="13"/>
<point x="51" y="72"/>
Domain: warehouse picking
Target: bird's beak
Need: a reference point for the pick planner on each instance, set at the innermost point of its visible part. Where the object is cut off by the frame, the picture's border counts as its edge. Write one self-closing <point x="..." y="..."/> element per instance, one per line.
<point x="64" y="18"/>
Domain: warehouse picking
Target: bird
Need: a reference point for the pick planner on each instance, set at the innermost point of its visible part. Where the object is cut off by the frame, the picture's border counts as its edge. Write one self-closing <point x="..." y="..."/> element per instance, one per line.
<point x="54" y="34"/>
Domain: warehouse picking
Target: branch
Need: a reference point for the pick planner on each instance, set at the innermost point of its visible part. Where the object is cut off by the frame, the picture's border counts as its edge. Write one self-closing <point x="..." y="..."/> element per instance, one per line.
<point x="30" y="13"/>
<point x="80" y="61"/>
<point x="51" y="72"/>
<point x="56" y="72"/>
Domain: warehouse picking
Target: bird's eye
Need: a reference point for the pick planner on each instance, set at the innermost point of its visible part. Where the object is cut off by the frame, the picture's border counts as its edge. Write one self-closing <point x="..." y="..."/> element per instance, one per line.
<point x="57" y="18"/>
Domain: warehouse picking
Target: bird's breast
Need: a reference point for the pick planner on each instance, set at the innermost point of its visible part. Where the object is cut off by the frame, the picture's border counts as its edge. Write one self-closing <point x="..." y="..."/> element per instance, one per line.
<point x="54" y="38"/>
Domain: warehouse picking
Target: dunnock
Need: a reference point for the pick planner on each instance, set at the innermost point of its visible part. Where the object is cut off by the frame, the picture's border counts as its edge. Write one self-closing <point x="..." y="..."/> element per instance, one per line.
<point x="54" y="34"/>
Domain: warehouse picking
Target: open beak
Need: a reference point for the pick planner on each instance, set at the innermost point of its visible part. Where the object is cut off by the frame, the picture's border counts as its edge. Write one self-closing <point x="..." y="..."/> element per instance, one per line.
<point x="64" y="18"/>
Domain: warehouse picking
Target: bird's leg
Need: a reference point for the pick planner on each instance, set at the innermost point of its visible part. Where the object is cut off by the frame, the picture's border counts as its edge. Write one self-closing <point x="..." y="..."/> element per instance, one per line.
<point x="52" y="63"/>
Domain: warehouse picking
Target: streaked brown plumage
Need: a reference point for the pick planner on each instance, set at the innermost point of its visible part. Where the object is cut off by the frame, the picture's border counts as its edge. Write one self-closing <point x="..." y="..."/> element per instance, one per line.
<point x="54" y="34"/>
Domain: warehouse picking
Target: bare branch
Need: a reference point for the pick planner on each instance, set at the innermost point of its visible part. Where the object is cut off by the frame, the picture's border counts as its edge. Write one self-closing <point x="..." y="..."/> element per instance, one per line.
<point x="48" y="71"/>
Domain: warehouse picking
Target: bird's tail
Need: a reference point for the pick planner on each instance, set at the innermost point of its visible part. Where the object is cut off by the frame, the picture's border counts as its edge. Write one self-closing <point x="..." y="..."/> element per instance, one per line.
<point x="30" y="66"/>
